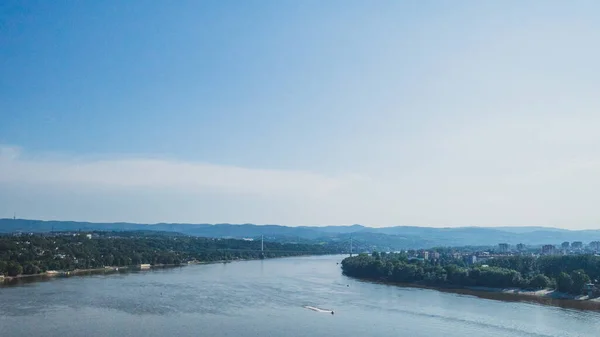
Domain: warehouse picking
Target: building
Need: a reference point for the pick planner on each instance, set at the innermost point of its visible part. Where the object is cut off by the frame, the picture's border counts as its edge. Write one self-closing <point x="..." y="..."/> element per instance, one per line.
<point x="481" y="259"/>
<point x="89" y="236"/>
<point x="589" y="289"/>
<point x="473" y="259"/>
<point x="426" y="255"/>
<point x="548" y="249"/>
<point x="565" y="245"/>
<point x="520" y="247"/>
<point x="577" y="245"/>
<point x="503" y="247"/>
<point x="595" y="245"/>
<point x="435" y="255"/>
<point x="144" y="266"/>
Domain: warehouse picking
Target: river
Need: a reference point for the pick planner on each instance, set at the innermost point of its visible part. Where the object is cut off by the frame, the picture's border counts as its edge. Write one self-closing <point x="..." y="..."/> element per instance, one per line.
<point x="267" y="298"/>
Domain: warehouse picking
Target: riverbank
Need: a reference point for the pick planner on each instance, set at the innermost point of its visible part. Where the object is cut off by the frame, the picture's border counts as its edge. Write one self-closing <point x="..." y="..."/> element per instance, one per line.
<point x="96" y="271"/>
<point x="542" y="293"/>
<point x="548" y="293"/>
<point x="75" y="272"/>
<point x="541" y="296"/>
<point x="7" y="280"/>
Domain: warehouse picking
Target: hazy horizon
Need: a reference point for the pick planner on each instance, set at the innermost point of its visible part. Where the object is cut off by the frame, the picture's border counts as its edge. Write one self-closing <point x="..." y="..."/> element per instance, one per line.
<point x="302" y="113"/>
<point x="301" y="225"/>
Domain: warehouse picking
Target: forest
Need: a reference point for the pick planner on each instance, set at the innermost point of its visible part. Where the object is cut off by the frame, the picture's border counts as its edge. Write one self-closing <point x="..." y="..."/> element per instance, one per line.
<point x="37" y="253"/>
<point x="568" y="274"/>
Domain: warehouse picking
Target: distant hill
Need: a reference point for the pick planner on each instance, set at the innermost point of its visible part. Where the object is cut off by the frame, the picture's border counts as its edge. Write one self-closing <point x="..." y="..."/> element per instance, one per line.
<point x="387" y="238"/>
<point x="529" y="229"/>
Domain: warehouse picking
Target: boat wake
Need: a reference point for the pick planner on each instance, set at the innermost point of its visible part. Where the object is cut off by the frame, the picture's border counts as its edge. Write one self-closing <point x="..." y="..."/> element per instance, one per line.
<point x="317" y="309"/>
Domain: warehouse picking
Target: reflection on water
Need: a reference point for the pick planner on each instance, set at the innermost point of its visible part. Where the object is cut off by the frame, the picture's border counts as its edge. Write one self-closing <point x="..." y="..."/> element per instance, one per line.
<point x="269" y="298"/>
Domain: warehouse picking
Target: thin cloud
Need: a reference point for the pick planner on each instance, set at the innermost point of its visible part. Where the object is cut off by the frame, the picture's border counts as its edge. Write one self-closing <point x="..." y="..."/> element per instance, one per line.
<point x="166" y="174"/>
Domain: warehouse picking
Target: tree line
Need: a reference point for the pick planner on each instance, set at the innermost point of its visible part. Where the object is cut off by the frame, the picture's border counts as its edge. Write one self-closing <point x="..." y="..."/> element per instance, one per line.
<point x="568" y="274"/>
<point x="38" y="253"/>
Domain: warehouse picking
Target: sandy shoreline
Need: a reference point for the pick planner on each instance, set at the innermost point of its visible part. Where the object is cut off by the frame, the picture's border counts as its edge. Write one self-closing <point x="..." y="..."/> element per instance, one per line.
<point x="541" y="296"/>
<point x="549" y="293"/>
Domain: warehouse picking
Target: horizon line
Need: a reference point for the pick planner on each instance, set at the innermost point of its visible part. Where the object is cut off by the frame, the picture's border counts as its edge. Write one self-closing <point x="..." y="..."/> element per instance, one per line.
<point x="302" y="226"/>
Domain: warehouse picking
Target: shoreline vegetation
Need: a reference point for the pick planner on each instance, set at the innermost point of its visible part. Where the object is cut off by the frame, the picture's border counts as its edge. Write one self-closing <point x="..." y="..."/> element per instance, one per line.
<point x="60" y="254"/>
<point x="52" y="274"/>
<point x="545" y="279"/>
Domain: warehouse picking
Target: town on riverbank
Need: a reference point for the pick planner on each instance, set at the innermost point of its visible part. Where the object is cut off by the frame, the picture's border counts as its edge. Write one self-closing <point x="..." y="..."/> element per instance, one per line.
<point x="571" y="271"/>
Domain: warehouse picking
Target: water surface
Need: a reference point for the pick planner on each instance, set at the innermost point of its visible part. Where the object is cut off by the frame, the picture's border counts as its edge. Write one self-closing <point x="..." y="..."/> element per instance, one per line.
<point x="268" y="298"/>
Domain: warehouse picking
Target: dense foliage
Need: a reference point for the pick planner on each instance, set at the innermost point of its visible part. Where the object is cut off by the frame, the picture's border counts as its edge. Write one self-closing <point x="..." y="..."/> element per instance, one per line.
<point x="33" y="254"/>
<point x="568" y="274"/>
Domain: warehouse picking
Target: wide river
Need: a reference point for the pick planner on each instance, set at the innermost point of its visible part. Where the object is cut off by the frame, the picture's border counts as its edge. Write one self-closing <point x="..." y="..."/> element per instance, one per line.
<point x="267" y="298"/>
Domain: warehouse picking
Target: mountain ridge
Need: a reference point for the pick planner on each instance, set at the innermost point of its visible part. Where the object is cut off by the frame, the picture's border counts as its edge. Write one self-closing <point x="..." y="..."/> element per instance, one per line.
<point x="391" y="238"/>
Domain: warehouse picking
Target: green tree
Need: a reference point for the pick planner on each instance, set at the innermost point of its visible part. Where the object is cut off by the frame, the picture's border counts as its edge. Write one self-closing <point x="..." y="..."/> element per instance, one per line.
<point x="14" y="269"/>
<point x="564" y="283"/>
<point x="580" y="279"/>
<point x="540" y="281"/>
<point x="31" y="269"/>
<point x="3" y="265"/>
<point x="457" y="275"/>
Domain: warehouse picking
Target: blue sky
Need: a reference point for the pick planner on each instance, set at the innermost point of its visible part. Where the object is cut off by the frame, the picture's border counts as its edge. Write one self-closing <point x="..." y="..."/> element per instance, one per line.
<point x="301" y="112"/>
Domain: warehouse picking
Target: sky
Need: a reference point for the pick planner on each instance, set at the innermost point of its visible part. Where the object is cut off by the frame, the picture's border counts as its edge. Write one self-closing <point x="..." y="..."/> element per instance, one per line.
<point x="382" y="113"/>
